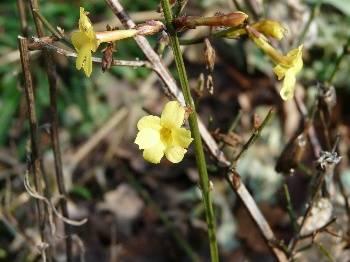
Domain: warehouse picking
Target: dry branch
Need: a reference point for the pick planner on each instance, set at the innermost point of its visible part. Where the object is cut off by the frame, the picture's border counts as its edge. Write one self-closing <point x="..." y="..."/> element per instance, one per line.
<point x="34" y="161"/>
<point x="51" y="75"/>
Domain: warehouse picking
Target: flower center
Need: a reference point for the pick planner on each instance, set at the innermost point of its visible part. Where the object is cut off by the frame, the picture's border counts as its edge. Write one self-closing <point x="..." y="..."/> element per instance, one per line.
<point x="165" y="135"/>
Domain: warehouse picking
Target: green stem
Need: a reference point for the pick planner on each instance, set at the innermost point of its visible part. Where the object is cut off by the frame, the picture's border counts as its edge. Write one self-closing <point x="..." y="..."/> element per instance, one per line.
<point x="232" y="126"/>
<point x="200" y="159"/>
<point x="253" y="137"/>
<point x="340" y="58"/>
<point x="314" y="12"/>
<point x="290" y="209"/>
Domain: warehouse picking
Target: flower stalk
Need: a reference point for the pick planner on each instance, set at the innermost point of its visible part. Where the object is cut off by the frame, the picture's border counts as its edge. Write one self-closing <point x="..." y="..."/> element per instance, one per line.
<point x="115" y="35"/>
<point x="86" y="40"/>
<point x="200" y="159"/>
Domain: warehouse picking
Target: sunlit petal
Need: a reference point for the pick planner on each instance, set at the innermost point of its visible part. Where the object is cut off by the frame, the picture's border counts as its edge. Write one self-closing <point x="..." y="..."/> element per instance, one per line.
<point x="288" y="86"/>
<point x="84" y="21"/>
<point x="79" y="39"/>
<point x="147" y="138"/>
<point x="292" y="64"/>
<point x="181" y="137"/>
<point x="173" y="115"/>
<point x="88" y="64"/>
<point x="154" y="154"/>
<point x="175" y="154"/>
<point x="82" y="55"/>
<point x="149" y="122"/>
<point x="280" y="71"/>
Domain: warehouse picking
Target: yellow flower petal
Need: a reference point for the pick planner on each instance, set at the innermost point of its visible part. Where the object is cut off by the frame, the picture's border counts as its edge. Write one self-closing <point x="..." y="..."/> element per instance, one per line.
<point x="291" y="66"/>
<point x="175" y="154"/>
<point x="280" y="71"/>
<point x="149" y="122"/>
<point x="82" y="57"/>
<point x="288" y="86"/>
<point x="173" y="115"/>
<point x="270" y="28"/>
<point x="154" y="154"/>
<point x="79" y="39"/>
<point x="147" y="138"/>
<point x="88" y="64"/>
<point x="84" y="21"/>
<point x="181" y="137"/>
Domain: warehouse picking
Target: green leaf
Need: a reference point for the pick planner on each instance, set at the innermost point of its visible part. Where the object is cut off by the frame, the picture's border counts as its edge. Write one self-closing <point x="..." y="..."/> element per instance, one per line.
<point x="82" y="192"/>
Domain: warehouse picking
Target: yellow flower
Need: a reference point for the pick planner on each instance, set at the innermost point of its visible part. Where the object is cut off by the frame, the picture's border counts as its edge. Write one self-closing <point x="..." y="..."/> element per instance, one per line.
<point x="84" y="42"/>
<point x="287" y="66"/>
<point x="164" y="135"/>
<point x="270" y="28"/>
<point x="288" y="69"/>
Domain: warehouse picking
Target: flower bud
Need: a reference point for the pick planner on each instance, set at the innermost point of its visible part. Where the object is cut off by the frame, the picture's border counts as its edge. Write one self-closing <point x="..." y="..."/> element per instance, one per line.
<point x="270" y="28"/>
<point x="150" y="27"/>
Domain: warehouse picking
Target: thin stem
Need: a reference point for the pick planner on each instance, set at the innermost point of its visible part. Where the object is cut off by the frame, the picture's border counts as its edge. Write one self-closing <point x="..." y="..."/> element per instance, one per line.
<point x="235" y="121"/>
<point x="290" y="209"/>
<point x="50" y="27"/>
<point x="51" y="74"/>
<point x="319" y="230"/>
<point x="318" y="185"/>
<point x="34" y="162"/>
<point x="23" y="17"/>
<point x="339" y="59"/>
<point x="253" y="137"/>
<point x="252" y="9"/>
<point x="201" y="163"/>
<point x="232" y="126"/>
<point x="314" y="12"/>
<point x="237" y="5"/>
<point x="39" y="44"/>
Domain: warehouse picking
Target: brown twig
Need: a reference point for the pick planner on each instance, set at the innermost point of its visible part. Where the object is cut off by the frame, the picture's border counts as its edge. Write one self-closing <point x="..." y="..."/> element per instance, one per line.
<point x="23" y="17"/>
<point x="46" y="44"/>
<point x="34" y="161"/>
<point x="326" y="165"/>
<point x="309" y="127"/>
<point x="51" y="74"/>
<point x="318" y="185"/>
<point x="213" y="147"/>
<point x="319" y="230"/>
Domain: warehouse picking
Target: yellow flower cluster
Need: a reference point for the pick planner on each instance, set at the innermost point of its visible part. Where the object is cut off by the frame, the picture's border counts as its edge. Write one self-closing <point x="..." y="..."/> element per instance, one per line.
<point x="159" y="136"/>
<point x="287" y="66"/>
